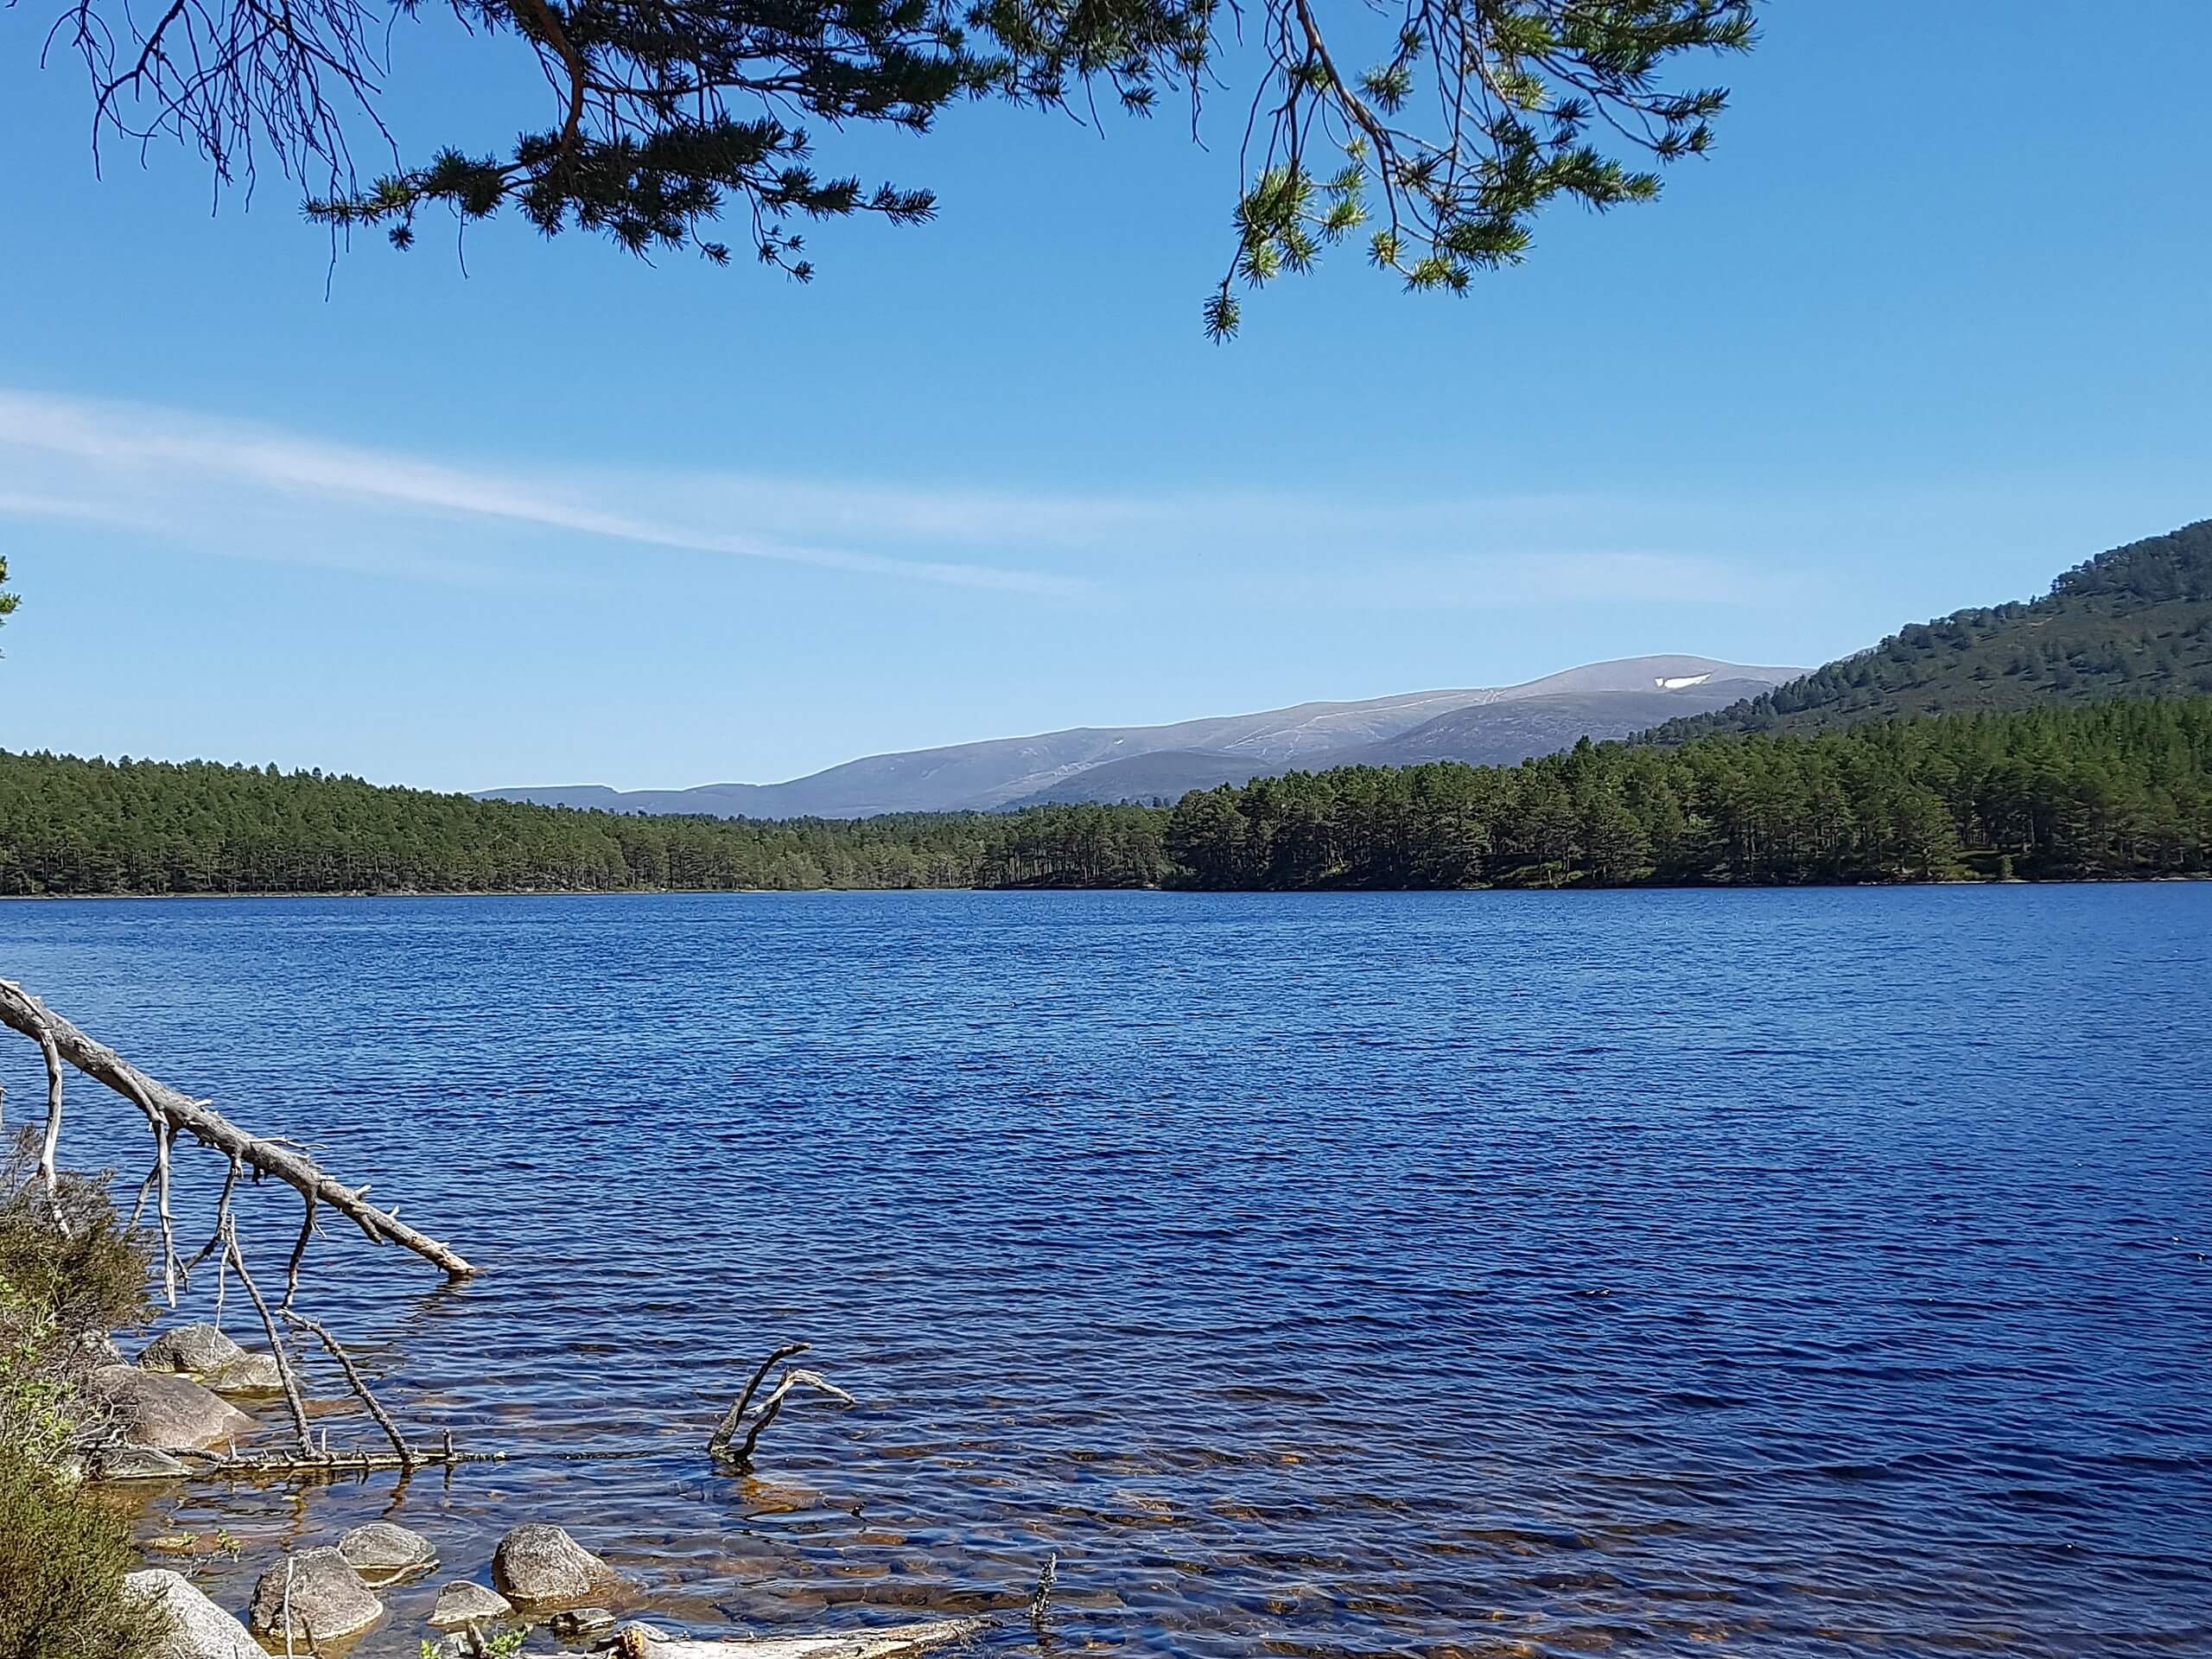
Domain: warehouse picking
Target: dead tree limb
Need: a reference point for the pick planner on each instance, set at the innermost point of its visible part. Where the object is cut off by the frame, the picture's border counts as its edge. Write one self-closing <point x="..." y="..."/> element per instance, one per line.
<point x="284" y="1370"/>
<point x="640" y="1641"/>
<point x="718" y="1443"/>
<point x="719" y="1440"/>
<point x="407" y="1454"/>
<point x="44" y="1034"/>
<point x="62" y="1041"/>
<point x="163" y="1214"/>
<point x="892" y="1641"/>
<point x="299" y="1251"/>
<point x="218" y="1465"/>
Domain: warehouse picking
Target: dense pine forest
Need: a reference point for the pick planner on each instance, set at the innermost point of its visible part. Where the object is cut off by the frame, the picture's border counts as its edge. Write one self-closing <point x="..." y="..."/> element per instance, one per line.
<point x="2113" y="790"/>
<point x="91" y="827"/>
<point x="2133" y="622"/>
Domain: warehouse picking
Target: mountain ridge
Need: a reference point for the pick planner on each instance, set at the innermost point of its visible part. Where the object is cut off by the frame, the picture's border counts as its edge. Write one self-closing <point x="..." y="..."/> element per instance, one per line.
<point x="998" y="773"/>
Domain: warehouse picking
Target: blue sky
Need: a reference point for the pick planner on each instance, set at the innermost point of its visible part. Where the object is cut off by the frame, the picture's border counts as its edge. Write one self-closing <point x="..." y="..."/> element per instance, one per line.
<point x="1932" y="324"/>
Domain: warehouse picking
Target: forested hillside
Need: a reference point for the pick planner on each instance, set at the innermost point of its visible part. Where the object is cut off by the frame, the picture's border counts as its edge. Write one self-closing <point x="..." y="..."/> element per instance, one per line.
<point x="2136" y="621"/>
<point x="2122" y="789"/>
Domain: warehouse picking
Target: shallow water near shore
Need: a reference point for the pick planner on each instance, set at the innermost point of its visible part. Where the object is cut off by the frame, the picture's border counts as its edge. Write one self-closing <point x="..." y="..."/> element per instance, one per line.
<point x="1780" y="1273"/>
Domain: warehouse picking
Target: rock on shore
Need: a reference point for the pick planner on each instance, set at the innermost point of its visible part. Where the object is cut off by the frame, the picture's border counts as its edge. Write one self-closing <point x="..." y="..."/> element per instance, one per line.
<point x="463" y="1603"/>
<point x="168" y="1413"/>
<point x="198" y="1628"/>
<point x="212" y="1360"/>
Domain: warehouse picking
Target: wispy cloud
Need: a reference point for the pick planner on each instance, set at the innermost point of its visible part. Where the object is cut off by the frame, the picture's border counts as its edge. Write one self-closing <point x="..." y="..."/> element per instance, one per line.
<point x="171" y="462"/>
<point x="257" y="492"/>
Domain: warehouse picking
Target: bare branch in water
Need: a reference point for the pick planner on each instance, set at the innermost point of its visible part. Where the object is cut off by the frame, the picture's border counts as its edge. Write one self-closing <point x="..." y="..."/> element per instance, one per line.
<point x="718" y="1444"/>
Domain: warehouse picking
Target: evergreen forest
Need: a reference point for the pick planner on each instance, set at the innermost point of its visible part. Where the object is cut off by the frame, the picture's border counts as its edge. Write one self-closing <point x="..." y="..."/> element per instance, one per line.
<point x="2119" y="789"/>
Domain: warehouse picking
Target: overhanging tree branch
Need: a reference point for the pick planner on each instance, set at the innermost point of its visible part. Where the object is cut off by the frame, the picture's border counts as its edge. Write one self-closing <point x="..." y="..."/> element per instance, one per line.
<point x="673" y="115"/>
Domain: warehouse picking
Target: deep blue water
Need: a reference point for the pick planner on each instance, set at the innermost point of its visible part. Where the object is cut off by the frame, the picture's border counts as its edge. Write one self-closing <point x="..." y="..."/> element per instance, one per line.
<point x="1770" y="1273"/>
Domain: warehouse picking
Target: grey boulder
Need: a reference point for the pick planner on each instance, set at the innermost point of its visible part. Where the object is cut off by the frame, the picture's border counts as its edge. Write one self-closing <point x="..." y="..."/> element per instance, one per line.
<point x="381" y="1550"/>
<point x="191" y="1350"/>
<point x="212" y="1359"/>
<point x="249" y="1374"/>
<point x="463" y="1603"/>
<point x="198" y="1628"/>
<point x="325" y="1599"/>
<point x="170" y="1414"/>
<point x="541" y="1566"/>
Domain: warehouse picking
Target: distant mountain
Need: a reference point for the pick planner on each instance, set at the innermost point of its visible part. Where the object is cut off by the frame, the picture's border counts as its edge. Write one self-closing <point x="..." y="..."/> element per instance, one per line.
<point x="1502" y="733"/>
<point x="2136" y="621"/>
<point x="1168" y="775"/>
<point x="1506" y="734"/>
<point x="1148" y="762"/>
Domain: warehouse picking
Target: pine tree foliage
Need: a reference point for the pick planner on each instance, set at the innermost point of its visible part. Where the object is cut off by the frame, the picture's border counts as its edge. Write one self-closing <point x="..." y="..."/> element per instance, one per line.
<point x="2108" y="790"/>
<point x="1440" y="127"/>
<point x="2115" y="791"/>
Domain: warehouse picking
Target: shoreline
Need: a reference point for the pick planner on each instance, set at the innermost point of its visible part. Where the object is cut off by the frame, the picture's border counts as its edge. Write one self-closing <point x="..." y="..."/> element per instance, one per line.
<point x="2183" y="877"/>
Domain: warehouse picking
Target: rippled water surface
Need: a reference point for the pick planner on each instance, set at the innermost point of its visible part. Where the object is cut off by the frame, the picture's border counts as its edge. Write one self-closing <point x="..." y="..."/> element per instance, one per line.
<point x="1772" y="1273"/>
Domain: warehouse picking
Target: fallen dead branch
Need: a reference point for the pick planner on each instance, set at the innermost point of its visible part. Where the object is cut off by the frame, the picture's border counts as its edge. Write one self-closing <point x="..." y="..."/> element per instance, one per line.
<point x="892" y="1641"/>
<point x="720" y="1443"/>
<point x="170" y="1110"/>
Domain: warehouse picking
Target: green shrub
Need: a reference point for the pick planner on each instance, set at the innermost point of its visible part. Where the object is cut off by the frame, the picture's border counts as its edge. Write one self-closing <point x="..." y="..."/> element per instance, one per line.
<point x="62" y="1558"/>
<point x="62" y="1554"/>
<point x="94" y="1277"/>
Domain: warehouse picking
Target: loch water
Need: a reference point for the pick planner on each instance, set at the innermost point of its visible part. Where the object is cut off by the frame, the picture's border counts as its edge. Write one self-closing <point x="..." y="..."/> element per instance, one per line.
<point x="1755" y="1272"/>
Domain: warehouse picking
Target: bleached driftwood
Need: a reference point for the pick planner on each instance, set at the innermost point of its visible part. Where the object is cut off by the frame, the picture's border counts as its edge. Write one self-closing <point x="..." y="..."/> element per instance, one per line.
<point x="891" y="1642"/>
<point x="169" y="1110"/>
<point x="722" y="1445"/>
<point x="639" y="1640"/>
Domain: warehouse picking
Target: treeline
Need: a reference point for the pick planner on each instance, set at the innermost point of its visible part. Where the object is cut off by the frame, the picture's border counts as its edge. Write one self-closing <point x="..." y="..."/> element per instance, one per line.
<point x="2113" y="790"/>
<point x="73" y="826"/>
<point x="2108" y="790"/>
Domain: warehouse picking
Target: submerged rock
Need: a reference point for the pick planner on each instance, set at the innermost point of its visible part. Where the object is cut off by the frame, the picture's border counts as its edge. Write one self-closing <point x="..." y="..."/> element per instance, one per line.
<point x="190" y="1348"/>
<point x="463" y="1603"/>
<point x="134" y="1463"/>
<point x="168" y="1413"/>
<point x="581" y="1621"/>
<point x="249" y="1374"/>
<point x="198" y="1628"/>
<point x="212" y="1360"/>
<point x="541" y="1566"/>
<point x="326" y="1598"/>
<point x="382" y="1550"/>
